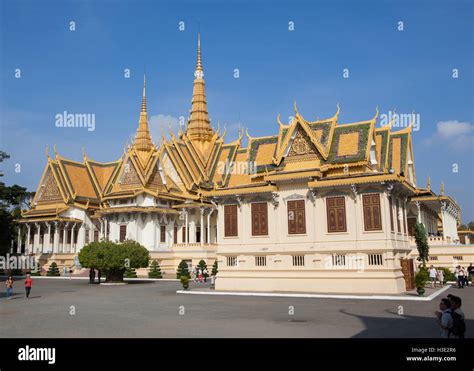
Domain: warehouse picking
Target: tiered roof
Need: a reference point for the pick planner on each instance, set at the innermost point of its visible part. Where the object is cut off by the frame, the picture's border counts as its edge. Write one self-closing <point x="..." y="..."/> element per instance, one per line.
<point x="197" y="163"/>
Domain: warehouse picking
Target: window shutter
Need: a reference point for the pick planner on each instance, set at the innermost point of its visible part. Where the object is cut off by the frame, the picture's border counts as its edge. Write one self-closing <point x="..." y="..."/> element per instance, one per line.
<point x="296" y="217"/>
<point x="259" y="219"/>
<point x="230" y="220"/>
<point x="372" y="216"/>
<point x="336" y="214"/>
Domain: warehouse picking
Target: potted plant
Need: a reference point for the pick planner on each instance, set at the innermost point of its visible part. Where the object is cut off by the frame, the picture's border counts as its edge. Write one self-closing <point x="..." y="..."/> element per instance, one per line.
<point x="185" y="282"/>
<point x="421" y="278"/>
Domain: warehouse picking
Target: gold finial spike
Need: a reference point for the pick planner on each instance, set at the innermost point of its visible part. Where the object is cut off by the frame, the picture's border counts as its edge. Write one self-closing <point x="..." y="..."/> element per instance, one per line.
<point x="295" y="108"/>
<point x="55" y="151"/>
<point x="46" y="150"/>
<point x="337" y="111"/>
<point x="428" y="183"/>
<point x="199" y="60"/>
<point x="84" y="152"/>
<point x="441" y="189"/>
<point x="144" y="94"/>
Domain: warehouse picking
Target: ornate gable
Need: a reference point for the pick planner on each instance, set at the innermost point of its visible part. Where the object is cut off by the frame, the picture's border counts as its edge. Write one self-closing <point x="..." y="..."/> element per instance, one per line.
<point x="302" y="146"/>
<point x="49" y="190"/>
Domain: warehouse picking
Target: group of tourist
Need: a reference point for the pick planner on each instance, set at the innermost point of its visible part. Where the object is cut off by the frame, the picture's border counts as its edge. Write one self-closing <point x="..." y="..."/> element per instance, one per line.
<point x="436" y="275"/>
<point x="464" y="276"/>
<point x="9" y="286"/>
<point x="451" y="318"/>
<point x="200" y="275"/>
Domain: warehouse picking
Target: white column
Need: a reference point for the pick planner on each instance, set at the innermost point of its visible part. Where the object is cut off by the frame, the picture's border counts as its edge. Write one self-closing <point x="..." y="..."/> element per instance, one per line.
<point x="63" y="250"/>
<point x="36" y="238"/>
<point x="48" y="240"/>
<point x="81" y="238"/>
<point x="201" y="228"/>
<point x="443" y="210"/>
<point x="72" y="248"/>
<point x="186" y="235"/>
<point x="28" y="236"/>
<point x="101" y="233"/>
<point x="155" y="226"/>
<point x="18" y="248"/>
<point x="56" y="238"/>
<point x="418" y="207"/>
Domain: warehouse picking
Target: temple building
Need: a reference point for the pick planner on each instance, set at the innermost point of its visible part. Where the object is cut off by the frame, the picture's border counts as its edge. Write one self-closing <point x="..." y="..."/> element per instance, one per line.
<point x="319" y="206"/>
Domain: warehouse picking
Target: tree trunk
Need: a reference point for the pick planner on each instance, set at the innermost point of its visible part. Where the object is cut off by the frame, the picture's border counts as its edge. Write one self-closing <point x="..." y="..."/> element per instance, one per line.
<point x="115" y="275"/>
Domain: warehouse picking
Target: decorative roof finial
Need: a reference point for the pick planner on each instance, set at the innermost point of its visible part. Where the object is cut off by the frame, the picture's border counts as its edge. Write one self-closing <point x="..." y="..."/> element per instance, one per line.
<point x="144" y="94"/>
<point x="337" y="112"/>
<point x="441" y="189"/>
<point x="54" y="149"/>
<point x="279" y="121"/>
<point x="428" y="183"/>
<point x="376" y="113"/>
<point x="46" y="151"/>
<point x="295" y="108"/>
<point x="199" y="60"/>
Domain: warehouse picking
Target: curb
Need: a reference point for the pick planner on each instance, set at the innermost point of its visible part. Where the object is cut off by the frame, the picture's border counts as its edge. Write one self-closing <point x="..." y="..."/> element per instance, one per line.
<point x="87" y="278"/>
<point x="317" y="296"/>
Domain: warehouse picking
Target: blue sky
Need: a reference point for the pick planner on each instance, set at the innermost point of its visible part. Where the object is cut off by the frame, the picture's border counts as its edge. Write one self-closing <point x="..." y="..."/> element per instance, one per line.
<point x="82" y="71"/>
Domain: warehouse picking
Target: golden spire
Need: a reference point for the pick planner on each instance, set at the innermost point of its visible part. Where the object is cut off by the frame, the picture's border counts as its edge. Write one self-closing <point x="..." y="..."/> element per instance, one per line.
<point x="428" y="183"/>
<point x="142" y="138"/>
<point x="199" y="125"/>
<point x="441" y="189"/>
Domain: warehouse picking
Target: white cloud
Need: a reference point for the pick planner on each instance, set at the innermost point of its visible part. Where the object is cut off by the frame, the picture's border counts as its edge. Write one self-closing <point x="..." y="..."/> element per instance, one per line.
<point x="453" y="128"/>
<point x="158" y="122"/>
<point x="453" y="134"/>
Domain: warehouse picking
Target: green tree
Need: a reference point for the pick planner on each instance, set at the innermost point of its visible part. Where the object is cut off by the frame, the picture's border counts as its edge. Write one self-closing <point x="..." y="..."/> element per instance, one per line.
<point x="130" y="273"/>
<point x="203" y="267"/>
<point x="471" y="226"/>
<point x="215" y="269"/>
<point x="421" y="243"/>
<point x="12" y="200"/>
<point x="155" y="270"/>
<point x="183" y="270"/>
<point x="53" y="270"/>
<point x="112" y="259"/>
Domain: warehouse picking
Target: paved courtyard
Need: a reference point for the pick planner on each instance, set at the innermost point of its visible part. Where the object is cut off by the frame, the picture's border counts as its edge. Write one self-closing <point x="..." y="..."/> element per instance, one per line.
<point x="153" y="309"/>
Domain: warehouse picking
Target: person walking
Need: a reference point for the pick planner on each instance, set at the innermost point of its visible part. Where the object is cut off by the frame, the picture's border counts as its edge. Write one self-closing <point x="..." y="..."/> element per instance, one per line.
<point x="91" y="275"/>
<point x="470" y="271"/>
<point x="441" y="277"/>
<point x="9" y="287"/>
<point x="460" y="272"/>
<point x="28" y="285"/>
<point x="433" y="275"/>
<point x="200" y="275"/>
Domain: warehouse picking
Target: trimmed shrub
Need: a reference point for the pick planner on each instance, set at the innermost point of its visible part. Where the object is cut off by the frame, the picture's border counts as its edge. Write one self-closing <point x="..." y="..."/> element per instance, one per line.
<point x="183" y="270"/>
<point x="155" y="270"/>
<point x="53" y="270"/>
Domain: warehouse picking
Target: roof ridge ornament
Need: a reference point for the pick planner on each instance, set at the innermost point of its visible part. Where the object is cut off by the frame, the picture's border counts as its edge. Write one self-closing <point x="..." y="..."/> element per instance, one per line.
<point x="376" y="114"/>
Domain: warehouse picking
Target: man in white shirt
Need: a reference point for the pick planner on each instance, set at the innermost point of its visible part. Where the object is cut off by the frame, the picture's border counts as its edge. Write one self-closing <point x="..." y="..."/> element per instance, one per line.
<point x="433" y="277"/>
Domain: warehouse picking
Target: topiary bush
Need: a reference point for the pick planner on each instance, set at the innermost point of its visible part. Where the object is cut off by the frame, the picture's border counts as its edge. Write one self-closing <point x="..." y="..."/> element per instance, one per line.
<point x="421" y="278"/>
<point x="53" y="270"/>
<point x="130" y="273"/>
<point x="215" y="269"/>
<point x="183" y="270"/>
<point x="155" y="270"/>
